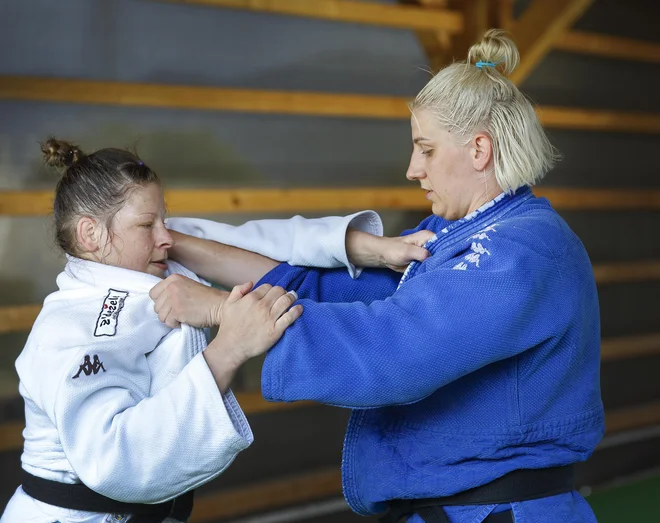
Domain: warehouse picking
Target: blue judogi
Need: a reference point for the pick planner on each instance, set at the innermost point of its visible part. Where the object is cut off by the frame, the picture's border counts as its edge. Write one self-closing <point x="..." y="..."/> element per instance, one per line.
<point x="484" y="360"/>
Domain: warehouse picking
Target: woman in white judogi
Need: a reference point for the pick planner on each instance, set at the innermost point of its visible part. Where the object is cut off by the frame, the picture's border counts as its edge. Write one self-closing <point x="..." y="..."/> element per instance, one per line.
<point x="125" y="415"/>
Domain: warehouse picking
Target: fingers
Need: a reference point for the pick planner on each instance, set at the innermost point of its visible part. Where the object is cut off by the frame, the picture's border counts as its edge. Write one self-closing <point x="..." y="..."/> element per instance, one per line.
<point x="262" y="290"/>
<point x="165" y="315"/>
<point x="282" y="303"/>
<point x="288" y="318"/>
<point x="160" y="287"/>
<point x="239" y="291"/>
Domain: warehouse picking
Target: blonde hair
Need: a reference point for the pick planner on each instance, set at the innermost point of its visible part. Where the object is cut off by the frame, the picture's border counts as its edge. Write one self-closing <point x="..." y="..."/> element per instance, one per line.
<point x="473" y="96"/>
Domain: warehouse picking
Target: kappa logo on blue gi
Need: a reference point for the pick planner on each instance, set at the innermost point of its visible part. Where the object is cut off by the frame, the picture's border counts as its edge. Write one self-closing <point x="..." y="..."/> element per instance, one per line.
<point x="477" y="248"/>
<point x="106" y="325"/>
<point x="90" y="367"/>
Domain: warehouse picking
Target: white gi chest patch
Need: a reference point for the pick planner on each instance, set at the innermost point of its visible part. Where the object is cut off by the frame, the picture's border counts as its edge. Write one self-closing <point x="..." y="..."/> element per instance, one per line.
<point x="106" y="325"/>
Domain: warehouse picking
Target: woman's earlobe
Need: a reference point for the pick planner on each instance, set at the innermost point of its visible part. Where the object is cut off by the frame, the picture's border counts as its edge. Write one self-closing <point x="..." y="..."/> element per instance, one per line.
<point x="88" y="234"/>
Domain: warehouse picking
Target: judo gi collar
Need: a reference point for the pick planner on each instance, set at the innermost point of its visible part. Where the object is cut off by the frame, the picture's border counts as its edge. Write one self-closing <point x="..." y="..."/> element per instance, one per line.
<point x="486" y="215"/>
<point x="100" y="275"/>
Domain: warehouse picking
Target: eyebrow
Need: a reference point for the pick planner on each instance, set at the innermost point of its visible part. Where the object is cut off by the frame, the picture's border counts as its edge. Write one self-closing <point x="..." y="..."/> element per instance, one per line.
<point x="421" y="139"/>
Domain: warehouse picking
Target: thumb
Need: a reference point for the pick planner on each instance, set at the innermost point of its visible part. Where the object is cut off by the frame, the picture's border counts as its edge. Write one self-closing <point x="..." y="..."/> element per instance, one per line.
<point x="417" y="253"/>
<point x="420" y="237"/>
<point x="239" y="291"/>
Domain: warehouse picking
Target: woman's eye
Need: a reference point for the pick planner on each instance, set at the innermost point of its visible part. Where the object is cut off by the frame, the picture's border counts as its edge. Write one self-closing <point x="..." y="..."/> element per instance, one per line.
<point x="148" y="225"/>
<point x="427" y="152"/>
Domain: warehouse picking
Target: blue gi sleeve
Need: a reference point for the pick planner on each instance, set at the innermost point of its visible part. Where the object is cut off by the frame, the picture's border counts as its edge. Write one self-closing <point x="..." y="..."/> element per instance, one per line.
<point x="436" y="328"/>
<point x="333" y="285"/>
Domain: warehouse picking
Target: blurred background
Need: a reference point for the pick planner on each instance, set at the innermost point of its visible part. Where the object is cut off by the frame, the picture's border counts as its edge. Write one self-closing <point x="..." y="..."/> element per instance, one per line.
<point x="232" y="102"/>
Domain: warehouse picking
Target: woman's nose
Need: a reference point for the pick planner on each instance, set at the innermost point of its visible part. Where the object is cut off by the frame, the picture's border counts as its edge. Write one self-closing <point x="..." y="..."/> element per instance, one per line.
<point x="415" y="171"/>
<point x="165" y="240"/>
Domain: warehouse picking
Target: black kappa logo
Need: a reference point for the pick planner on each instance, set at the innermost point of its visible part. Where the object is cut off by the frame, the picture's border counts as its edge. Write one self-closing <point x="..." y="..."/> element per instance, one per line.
<point x="90" y="367"/>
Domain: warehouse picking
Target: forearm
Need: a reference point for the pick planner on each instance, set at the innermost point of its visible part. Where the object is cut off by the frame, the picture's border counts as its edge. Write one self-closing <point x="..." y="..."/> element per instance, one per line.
<point x="364" y="249"/>
<point x="219" y="263"/>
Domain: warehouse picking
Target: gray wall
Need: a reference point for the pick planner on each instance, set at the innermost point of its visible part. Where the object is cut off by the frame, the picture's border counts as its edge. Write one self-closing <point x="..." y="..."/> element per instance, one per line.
<point x="148" y="41"/>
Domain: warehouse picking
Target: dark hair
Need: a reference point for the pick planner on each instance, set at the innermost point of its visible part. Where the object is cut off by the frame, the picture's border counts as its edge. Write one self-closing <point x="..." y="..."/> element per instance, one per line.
<point x="96" y="185"/>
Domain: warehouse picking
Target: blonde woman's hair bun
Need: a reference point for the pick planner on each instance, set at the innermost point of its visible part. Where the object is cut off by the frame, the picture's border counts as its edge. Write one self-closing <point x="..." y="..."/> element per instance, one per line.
<point x="496" y="50"/>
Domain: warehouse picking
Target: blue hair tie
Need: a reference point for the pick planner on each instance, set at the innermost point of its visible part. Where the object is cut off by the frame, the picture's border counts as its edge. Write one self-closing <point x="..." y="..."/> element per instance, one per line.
<point x="481" y="65"/>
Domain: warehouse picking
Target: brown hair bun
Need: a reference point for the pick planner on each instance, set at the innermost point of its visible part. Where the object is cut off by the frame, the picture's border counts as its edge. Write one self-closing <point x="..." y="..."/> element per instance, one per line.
<point x="61" y="154"/>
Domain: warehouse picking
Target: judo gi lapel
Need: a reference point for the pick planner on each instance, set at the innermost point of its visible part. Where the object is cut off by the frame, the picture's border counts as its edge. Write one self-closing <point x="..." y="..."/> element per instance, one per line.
<point x="487" y="215"/>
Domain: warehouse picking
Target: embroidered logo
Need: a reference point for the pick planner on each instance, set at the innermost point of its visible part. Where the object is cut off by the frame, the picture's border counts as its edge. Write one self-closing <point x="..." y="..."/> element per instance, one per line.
<point x="90" y="367"/>
<point x="477" y="249"/>
<point x="106" y="325"/>
<point x="116" y="518"/>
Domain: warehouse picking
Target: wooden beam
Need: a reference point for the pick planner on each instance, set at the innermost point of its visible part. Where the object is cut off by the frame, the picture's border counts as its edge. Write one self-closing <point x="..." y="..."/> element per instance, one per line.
<point x="614" y="349"/>
<point x="608" y="46"/>
<point x="504" y="14"/>
<point x="267" y="495"/>
<point x="283" y="102"/>
<point x="196" y="201"/>
<point x="631" y="418"/>
<point x="207" y="98"/>
<point x="626" y="272"/>
<point x="187" y="201"/>
<point x="11" y="436"/>
<point x="437" y="44"/>
<point x="402" y="17"/>
<point x="541" y="25"/>
<point x="598" y="120"/>
<point x="19" y="318"/>
<point x="601" y="199"/>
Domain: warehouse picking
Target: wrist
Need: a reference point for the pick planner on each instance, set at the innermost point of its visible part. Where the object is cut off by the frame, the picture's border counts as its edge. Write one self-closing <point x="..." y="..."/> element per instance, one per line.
<point x="364" y="249"/>
<point x="223" y="362"/>
<point x="216" y="312"/>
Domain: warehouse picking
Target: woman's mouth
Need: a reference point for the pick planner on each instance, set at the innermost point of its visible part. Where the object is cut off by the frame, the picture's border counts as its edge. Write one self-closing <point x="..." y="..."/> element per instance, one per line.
<point x="160" y="264"/>
<point x="428" y="195"/>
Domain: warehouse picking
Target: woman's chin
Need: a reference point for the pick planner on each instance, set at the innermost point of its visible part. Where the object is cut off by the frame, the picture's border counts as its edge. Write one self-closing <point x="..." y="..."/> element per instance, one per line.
<point x="156" y="270"/>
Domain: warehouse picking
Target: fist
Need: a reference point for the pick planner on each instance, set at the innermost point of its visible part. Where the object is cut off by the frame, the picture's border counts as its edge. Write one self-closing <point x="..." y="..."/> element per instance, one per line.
<point x="178" y="299"/>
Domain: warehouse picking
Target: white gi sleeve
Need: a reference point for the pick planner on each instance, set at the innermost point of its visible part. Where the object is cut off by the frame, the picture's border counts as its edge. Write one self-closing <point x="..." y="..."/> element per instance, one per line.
<point x="319" y="242"/>
<point x="141" y="449"/>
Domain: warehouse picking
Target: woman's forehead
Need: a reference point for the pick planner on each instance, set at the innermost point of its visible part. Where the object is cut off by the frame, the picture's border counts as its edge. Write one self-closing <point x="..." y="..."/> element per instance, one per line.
<point x="145" y="199"/>
<point x="422" y="123"/>
<point x="425" y="127"/>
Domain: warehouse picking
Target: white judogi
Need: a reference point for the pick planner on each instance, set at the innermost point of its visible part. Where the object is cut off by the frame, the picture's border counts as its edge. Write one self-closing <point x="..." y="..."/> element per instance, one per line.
<point x="120" y="402"/>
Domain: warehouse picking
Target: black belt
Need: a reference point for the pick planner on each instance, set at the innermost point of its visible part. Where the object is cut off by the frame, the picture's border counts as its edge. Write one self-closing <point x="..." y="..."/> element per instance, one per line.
<point x="516" y="486"/>
<point x="79" y="497"/>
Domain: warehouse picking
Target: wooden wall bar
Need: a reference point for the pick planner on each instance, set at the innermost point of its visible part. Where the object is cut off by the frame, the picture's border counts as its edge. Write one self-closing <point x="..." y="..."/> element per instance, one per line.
<point x="19" y="318"/>
<point x="203" y="98"/>
<point x="268" y="495"/>
<point x="630" y="347"/>
<point x="399" y="16"/>
<point x="284" y="102"/>
<point x="539" y="26"/>
<point x="607" y="46"/>
<point x="625" y="272"/>
<point x="196" y="201"/>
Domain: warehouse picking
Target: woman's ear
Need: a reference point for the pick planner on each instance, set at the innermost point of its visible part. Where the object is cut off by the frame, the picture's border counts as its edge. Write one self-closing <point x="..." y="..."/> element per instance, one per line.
<point x="481" y="151"/>
<point x="88" y="235"/>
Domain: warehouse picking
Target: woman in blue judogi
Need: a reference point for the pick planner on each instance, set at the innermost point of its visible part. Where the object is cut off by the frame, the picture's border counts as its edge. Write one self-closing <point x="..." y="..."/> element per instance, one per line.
<point x="474" y="378"/>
